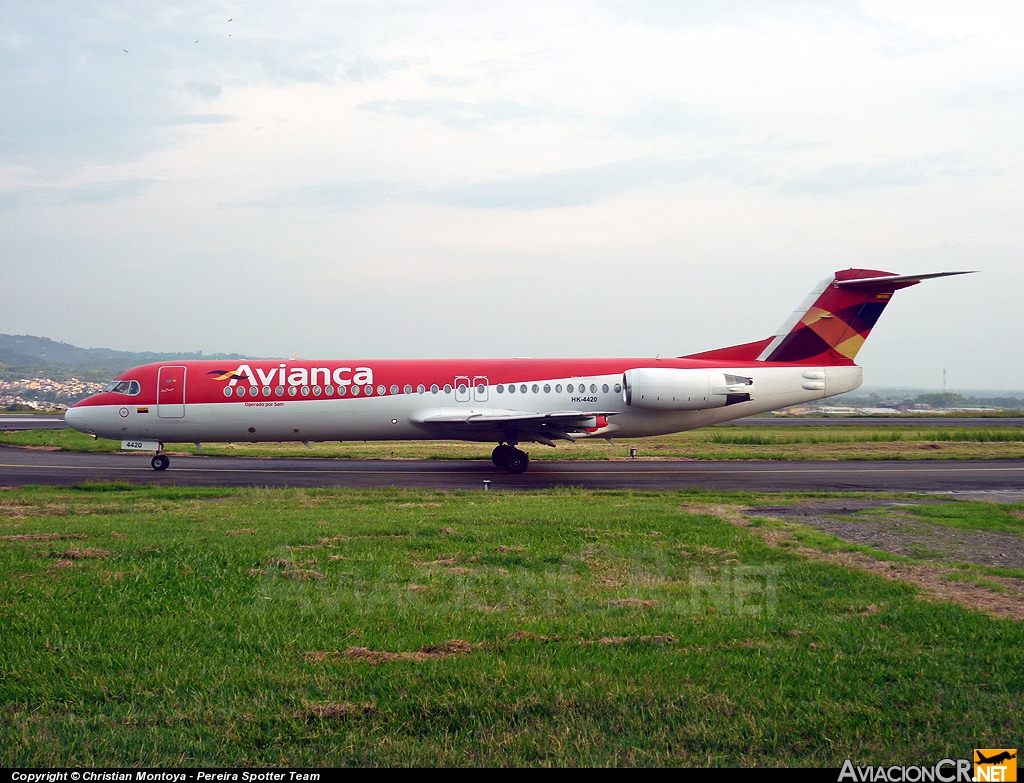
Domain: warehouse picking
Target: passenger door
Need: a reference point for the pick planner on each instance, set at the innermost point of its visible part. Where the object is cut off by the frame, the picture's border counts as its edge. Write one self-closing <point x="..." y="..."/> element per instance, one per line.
<point x="170" y="392"/>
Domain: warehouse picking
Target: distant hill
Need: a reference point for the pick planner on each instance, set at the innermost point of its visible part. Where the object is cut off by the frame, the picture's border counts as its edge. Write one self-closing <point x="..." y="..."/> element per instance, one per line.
<point x="22" y="355"/>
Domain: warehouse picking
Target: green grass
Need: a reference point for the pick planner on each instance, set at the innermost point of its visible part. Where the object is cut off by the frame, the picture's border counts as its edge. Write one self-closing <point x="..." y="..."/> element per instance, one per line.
<point x="183" y="639"/>
<point x="724" y="442"/>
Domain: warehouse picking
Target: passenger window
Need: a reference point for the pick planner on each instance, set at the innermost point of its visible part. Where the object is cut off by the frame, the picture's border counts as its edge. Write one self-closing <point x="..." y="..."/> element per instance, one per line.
<point x="511" y="388"/>
<point x="382" y="390"/>
<point x="480" y="389"/>
<point x="462" y="388"/>
<point x="421" y="388"/>
<point x="618" y="388"/>
<point x="501" y="389"/>
<point x="522" y="388"/>
<point x="328" y="390"/>
<point x="279" y="391"/>
<point x="292" y="391"/>
<point x="547" y="388"/>
<point x="240" y="391"/>
<point x="593" y="388"/>
<point x="408" y="389"/>
<point x="369" y="390"/>
<point x="604" y="388"/>
<point x="434" y="389"/>
<point x="569" y="388"/>
<point x="305" y="391"/>
<point x="558" y="388"/>
<point x="316" y="391"/>
<point x="227" y="391"/>
<point x="447" y="388"/>
<point x="342" y="391"/>
<point x="355" y="391"/>
<point x="266" y="391"/>
<point x="394" y="390"/>
<point x="535" y="388"/>
<point x="254" y="391"/>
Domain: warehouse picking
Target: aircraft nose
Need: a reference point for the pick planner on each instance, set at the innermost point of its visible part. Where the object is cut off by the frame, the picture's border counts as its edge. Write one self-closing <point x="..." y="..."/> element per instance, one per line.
<point x="78" y="419"/>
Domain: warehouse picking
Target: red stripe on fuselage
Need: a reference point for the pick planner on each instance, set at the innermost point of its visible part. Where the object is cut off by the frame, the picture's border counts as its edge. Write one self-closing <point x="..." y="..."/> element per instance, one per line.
<point x="200" y="386"/>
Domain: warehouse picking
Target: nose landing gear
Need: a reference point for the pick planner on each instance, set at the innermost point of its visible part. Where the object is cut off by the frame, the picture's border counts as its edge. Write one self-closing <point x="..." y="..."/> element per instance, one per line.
<point x="160" y="462"/>
<point x="509" y="459"/>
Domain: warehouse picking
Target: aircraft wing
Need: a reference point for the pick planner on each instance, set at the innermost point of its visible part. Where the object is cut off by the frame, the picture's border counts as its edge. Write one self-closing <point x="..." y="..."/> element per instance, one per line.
<point x="477" y="423"/>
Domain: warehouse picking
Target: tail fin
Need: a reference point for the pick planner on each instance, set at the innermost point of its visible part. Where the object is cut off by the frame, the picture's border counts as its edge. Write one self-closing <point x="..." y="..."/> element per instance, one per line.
<point x="833" y="321"/>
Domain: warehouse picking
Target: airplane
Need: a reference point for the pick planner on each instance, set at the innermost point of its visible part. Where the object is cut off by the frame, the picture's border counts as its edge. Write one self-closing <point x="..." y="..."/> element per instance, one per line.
<point x="507" y="401"/>
<point x="996" y="759"/>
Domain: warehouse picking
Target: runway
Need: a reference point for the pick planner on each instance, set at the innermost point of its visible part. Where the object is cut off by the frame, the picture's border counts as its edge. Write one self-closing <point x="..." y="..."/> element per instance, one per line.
<point x="14" y="422"/>
<point x="20" y="467"/>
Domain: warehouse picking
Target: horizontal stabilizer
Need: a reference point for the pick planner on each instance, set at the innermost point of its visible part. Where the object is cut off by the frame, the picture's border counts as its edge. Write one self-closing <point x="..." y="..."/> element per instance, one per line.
<point x="890" y="280"/>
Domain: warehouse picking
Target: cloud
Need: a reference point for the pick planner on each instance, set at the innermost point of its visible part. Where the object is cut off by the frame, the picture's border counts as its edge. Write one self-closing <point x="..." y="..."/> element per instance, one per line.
<point x="200" y="119"/>
<point x="364" y="69"/>
<point x="454" y="113"/>
<point x="846" y="177"/>
<point x="92" y="192"/>
<point x="203" y="89"/>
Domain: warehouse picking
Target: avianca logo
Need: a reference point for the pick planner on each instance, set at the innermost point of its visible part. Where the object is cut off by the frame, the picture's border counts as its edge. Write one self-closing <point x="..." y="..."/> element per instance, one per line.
<point x="295" y="376"/>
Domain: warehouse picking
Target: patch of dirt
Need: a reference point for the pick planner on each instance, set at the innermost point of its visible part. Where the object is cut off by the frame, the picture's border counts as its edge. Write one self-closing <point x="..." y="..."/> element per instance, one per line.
<point x="937" y="583"/>
<point x="44" y="537"/>
<point x="81" y="554"/>
<point x="638" y="602"/>
<point x="448" y="649"/>
<point x="242" y="532"/>
<point x="444" y="561"/>
<point x="905" y="535"/>
<point x="665" y="639"/>
<point x="302" y="575"/>
<point x="334" y="710"/>
<point x="60" y="564"/>
<point x="526" y="636"/>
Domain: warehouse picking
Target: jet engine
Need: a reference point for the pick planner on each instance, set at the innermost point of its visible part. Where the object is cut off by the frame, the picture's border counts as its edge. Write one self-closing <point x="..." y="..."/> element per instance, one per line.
<point x="672" y="389"/>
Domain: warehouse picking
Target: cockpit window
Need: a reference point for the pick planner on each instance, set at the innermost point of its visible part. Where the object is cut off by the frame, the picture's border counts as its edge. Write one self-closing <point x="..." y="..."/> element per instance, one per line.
<point x="123" y="387"/>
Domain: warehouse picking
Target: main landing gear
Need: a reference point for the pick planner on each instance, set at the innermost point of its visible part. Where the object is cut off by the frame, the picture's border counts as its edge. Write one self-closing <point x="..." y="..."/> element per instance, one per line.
<point x="160" y="462"/>
<point x="510" y="459"/>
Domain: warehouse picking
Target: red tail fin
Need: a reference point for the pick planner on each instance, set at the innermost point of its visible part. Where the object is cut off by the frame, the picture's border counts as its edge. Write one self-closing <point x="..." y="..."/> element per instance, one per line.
<point x="831" y="324"/>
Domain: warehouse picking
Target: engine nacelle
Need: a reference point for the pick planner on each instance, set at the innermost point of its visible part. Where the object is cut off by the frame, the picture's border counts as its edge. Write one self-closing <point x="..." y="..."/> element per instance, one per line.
<point x="672" y="389"/>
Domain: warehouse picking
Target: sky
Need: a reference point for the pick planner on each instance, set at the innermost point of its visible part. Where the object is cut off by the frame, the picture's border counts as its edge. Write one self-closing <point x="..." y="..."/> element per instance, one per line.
<point x="444" y="179"/>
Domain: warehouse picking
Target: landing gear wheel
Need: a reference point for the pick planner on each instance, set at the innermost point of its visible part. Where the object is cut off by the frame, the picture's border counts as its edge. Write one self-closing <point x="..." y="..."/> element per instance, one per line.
<point x="160" y="462"/>
<point x="500" y="455"/>
<point x="516" y="461"/>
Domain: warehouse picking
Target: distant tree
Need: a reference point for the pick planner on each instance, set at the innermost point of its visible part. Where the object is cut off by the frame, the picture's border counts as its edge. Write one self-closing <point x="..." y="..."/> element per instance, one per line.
<point x="941" y="400"/>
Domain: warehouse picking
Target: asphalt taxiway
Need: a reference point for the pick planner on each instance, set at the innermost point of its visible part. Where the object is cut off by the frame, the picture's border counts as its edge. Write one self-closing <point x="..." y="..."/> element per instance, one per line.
<point x="20" y="467"/>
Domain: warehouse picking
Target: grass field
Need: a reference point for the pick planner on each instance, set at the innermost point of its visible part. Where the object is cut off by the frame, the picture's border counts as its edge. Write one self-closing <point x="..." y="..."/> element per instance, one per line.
<point x="750" y="442"/>
<point x="147" y="626"/>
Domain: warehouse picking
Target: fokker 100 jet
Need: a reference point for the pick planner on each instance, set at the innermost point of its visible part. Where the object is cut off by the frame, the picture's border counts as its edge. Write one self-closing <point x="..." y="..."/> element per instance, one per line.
<point x="505" y="401"/>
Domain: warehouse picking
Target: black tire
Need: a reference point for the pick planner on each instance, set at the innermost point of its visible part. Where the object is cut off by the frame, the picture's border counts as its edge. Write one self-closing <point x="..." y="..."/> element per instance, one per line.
<point x="500" y="455"/>
<point x="160" y="462"/>
<point x="517" y="461"/>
